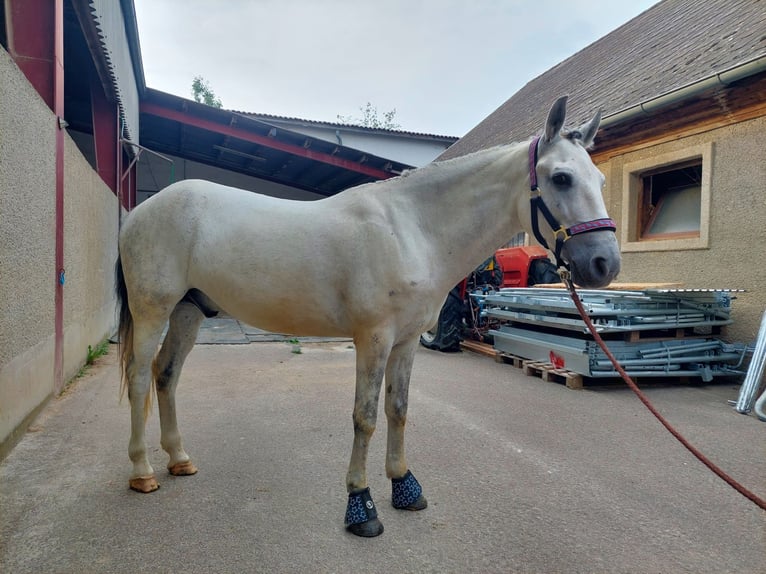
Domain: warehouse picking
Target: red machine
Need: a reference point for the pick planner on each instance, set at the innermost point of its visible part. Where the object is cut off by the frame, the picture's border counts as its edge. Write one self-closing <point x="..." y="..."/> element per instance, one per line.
<point x="460" y="317"/>
<point x="518" y="262"/>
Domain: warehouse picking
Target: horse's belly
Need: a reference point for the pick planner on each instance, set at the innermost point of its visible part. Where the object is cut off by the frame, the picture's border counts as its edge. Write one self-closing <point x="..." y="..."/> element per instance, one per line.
<point x="291" y="315"/>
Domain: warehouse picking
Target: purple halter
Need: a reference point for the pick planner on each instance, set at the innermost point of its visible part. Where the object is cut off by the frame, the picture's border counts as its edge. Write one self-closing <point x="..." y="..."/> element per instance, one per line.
<point x="561" y="233"/>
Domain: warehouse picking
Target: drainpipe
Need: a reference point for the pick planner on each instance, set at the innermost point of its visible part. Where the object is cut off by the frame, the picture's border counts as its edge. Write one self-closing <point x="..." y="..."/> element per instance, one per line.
<point x="653" y="105"/>
<point x="58" y="110"/>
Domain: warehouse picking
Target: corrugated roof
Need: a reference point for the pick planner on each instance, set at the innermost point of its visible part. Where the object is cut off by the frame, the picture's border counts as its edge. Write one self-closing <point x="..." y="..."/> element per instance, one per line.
<point x="319" y="123"/>
<point x="671" y="44"/>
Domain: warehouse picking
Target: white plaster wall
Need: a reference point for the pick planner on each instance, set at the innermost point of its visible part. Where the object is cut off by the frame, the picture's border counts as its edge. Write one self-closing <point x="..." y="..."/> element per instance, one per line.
<point x="27" y="242"/>
<point x="415" y="151"/>
<point x="90" y="249"/>
<point x="27" y="253"/>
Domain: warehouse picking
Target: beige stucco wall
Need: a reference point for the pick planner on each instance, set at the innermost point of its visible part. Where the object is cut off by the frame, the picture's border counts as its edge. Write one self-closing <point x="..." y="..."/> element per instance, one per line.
<point x="27" y="250"/>
<point x="27" y="235"/>
<point x="734" y="257"/>
<point x="90" y="250"/>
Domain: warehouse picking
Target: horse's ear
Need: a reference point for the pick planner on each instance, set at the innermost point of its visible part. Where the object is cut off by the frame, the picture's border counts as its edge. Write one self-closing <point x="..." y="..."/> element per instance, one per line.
<point x="589" y="129"/>
<point x="556" y="118"/>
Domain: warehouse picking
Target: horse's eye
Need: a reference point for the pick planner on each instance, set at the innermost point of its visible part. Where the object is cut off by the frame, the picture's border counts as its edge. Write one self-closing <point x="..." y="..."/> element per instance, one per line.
<point x="562" y="179"/>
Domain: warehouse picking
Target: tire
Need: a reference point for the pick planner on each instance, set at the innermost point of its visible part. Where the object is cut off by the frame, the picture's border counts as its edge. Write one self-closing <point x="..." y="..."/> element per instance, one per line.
<point x="542" y="272"/>
<point x="446" y="334"/>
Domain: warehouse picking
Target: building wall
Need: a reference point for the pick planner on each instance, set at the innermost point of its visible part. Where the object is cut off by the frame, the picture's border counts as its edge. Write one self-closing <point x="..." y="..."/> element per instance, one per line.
<point x="737" y="222"/>
<point x="91" y="216"/>
<point x="27" y="240"/>
<point x="27" y="247"/>
<point x="415" y="151"/>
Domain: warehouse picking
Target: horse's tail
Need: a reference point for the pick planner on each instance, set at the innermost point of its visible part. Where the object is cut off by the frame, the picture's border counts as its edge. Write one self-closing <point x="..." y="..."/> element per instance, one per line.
<point x="125" y="333"/>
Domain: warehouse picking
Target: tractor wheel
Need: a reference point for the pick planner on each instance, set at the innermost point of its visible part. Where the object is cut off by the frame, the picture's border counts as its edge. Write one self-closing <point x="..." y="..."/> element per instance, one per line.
<point x="445" y="335"/>
<point x="542" y="272"/>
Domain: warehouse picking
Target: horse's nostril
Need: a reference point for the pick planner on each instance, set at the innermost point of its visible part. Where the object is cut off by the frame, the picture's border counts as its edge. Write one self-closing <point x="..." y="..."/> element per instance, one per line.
<point x="599" y="266"/>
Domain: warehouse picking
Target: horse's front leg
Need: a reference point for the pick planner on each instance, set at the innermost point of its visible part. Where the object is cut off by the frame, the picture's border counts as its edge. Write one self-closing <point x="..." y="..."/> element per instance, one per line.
<point x="372" y="352"/>
<point x="406" y="492"/>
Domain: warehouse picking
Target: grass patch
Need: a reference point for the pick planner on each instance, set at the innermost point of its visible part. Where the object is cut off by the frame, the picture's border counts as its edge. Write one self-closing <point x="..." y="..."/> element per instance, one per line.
<point x="101" y="349"/>
<point x="93" y="353"/>
<point x="90" y="358"/>
<point x="296" y="346"/>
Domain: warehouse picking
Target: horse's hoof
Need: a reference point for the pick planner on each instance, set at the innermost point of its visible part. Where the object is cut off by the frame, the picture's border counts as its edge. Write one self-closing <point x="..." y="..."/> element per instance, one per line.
<point x="184" y="468"/>
<point x="144" y="484"/>
<point x="406" y="493"/>
<point x="367" y="529"/>
<point x="361" y="515"/>
<point x="420" y="504"/>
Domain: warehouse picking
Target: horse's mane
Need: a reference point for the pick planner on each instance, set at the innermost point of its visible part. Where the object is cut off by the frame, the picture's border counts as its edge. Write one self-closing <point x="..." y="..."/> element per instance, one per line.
<point x="481" y="157"/>
<point x="470" y="162"/>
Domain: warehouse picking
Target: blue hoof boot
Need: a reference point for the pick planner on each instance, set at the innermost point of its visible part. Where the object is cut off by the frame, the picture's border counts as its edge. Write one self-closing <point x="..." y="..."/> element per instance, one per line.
<point x="407" y="494"/>
<point x="361" y="515"/>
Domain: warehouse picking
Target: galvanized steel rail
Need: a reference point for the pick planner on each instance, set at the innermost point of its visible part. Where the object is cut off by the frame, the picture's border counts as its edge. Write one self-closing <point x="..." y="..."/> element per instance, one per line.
<point x="542" y="322"/>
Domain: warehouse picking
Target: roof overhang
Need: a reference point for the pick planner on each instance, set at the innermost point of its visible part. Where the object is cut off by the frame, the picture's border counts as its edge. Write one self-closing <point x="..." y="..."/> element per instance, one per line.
<point x="229" y="140"/>
<point x="692" y="90"/>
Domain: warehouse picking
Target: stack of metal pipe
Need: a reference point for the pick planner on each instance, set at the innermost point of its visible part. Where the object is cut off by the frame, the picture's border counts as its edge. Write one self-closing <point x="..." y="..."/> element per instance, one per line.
<point x="544" y="325"/>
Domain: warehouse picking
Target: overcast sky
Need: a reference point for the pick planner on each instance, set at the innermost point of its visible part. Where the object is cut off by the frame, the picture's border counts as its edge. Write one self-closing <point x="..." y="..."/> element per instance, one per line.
<point x="444" y="65"/>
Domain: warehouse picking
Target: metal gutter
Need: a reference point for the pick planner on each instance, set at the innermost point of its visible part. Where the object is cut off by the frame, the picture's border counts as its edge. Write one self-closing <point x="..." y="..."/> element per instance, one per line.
<point x="719" y="79"/>
<point x="134" y="45"/>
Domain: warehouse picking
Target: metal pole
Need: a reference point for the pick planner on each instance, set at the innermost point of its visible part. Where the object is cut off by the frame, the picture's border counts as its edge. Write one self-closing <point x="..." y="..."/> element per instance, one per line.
<point x="754" y="372"/>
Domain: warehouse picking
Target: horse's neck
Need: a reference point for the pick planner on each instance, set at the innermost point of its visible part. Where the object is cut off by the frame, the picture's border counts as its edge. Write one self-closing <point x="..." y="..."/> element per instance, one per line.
<point x="468" y="206"/>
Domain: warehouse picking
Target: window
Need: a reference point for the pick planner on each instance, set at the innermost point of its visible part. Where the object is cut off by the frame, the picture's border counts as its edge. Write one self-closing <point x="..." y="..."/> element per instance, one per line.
<point x="666" y="202"/>
<point x="670" y="203"/>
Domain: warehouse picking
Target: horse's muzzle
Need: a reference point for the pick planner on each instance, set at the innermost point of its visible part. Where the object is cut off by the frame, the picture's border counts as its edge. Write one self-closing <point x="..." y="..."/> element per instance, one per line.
<point x="593" y="258"/>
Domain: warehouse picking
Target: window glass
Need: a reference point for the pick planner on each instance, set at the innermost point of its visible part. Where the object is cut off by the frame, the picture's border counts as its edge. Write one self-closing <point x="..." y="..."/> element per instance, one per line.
<point x="671" y="204"/>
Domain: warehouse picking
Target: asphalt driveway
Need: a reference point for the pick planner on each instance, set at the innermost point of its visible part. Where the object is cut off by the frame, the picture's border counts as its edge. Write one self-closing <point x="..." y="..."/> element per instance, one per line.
<point x="520" y="475"/>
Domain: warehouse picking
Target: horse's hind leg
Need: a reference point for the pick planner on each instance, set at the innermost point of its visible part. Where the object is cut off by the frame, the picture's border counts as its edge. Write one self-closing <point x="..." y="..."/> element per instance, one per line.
<point x="406" y="491"/>
<point x="179" y="341"/>
<point x="146" y="336"/>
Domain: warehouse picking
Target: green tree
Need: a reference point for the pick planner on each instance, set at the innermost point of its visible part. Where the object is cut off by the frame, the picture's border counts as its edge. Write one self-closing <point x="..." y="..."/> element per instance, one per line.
<point x="370" y="118"/>
<point x="203" y="93"/>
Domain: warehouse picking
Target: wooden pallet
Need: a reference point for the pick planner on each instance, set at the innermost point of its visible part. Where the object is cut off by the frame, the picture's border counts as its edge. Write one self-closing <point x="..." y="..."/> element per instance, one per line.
<point x="551" y="374"/>
<point x="509" y="359"/>
<point x="665" y="334"/>
<point x="546" y="371"/>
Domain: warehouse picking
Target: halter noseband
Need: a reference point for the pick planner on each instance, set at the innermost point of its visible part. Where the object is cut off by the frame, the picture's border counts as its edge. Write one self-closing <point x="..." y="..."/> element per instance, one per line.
<point x="561" y="233"/>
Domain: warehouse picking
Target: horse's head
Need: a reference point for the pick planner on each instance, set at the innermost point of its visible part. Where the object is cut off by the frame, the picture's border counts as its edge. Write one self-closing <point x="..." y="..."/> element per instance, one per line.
<point x="567" y="212"/>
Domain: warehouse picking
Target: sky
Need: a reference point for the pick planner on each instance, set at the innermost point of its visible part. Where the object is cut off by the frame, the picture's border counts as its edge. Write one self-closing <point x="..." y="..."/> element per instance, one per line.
<point x="443" y="65"/>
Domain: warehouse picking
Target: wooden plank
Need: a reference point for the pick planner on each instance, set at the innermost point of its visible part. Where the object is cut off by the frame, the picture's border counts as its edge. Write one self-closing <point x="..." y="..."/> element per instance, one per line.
<point x="620" y="286"/>
<point x="477" y="347"/>
<point x="662" y="335"/>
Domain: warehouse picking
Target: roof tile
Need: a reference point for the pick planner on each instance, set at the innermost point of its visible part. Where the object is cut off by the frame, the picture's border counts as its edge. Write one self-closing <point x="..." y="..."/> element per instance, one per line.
<point x="673" y="43"/>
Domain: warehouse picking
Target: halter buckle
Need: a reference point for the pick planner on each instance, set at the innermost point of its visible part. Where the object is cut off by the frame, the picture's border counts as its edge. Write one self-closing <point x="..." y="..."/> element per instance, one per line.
<point x="563" y="232"/>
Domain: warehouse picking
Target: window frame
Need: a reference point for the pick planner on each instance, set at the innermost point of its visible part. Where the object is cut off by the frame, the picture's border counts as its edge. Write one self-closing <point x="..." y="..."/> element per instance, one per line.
<point x="634" y="194"/>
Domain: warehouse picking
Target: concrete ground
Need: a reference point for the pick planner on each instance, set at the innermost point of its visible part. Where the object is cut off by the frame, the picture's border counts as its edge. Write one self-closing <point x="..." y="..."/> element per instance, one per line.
<point x="520" y="475"/>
